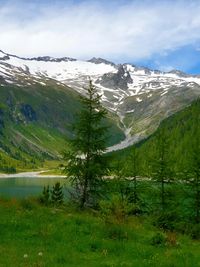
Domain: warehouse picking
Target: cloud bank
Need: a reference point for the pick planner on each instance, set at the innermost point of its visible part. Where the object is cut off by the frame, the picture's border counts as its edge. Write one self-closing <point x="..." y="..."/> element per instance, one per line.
<point x="120" y="31"/>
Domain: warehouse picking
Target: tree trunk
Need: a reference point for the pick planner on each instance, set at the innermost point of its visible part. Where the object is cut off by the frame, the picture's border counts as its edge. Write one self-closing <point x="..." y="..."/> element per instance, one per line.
<point x="162" y="194"/>
<point x="84" y="194"/>
<point x="197" y="201"/>
<point x="135" y="189"/>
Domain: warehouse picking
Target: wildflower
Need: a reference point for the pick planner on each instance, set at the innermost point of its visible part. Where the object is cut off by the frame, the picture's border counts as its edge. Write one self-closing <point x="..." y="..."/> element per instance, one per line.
<point x="40" y="254"/>
<point x="25" y="256"/>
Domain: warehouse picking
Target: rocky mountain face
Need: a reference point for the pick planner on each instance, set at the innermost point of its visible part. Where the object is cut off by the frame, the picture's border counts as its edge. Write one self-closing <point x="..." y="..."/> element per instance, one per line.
<point x="139" y="97"/>
<point x="118" y="80"/>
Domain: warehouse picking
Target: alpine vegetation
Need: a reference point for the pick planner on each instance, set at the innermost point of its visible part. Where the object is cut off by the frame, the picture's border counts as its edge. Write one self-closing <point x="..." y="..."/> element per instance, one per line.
<point x="86" y="162"/>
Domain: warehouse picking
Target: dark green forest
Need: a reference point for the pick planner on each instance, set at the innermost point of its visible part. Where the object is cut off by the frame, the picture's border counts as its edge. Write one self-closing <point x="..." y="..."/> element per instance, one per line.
<point x="180" y="131"/>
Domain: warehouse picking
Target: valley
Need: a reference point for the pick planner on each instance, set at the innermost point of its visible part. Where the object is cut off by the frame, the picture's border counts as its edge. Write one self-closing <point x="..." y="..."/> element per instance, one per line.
<point x="99" y="133"/>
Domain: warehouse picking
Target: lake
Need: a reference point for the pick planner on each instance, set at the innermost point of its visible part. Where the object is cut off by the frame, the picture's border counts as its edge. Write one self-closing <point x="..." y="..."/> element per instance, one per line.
<point x="21" y="187"/>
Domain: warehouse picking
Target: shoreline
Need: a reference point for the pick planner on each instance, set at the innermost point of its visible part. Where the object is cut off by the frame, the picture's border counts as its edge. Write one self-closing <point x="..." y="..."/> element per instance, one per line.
<point x="36" y="174"/>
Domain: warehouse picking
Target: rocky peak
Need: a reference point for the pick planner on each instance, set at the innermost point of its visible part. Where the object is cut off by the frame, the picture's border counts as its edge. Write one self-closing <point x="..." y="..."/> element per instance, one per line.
<point x="51" y="59"/>
<point x="100" y="60"/>
<point x="3" y="56"/>
<point x="179" y="73"/>
<point x="117" y="80"/>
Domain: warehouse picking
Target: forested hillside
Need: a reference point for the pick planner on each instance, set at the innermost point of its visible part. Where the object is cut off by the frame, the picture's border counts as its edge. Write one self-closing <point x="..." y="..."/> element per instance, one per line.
<point x="181" y="132"/>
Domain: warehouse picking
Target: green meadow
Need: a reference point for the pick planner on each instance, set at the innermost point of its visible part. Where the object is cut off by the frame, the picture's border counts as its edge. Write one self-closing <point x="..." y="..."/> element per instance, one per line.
<point x="35" y="235"/>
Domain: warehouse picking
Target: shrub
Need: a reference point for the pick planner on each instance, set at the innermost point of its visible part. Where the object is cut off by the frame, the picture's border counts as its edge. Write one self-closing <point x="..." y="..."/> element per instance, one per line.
<point x="115" y="210"/>
<point x="158" y="239"/>
<point x="167" y="220"/>
<point x="27" y="204"/>
<point x="95" y="246"/>
<point x="116" y="232"/>
<point x="172" y="239"/>
<point x="195" y="231"/>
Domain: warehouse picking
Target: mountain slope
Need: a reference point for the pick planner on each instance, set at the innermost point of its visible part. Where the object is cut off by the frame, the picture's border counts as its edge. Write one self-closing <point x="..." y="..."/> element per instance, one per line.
<point x="36" y="122"/>
<point x="180" y="131"/>
<point x="139" y="97"/>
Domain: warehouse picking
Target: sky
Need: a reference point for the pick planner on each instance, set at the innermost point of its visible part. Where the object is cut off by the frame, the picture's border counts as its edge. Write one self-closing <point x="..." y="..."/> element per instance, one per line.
<point x="159" y="34"/>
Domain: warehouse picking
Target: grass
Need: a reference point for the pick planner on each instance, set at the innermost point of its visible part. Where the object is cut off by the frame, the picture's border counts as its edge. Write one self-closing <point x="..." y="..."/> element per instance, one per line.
<point x="33" y="235"/>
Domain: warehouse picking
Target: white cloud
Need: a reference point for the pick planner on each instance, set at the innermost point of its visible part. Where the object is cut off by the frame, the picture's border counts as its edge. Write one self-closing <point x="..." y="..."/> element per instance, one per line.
<point x="131" y="31"/>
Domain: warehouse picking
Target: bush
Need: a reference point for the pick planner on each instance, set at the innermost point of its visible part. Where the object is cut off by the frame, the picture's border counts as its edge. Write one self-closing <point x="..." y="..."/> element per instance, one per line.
<point x="115" y="210"/>
<point x="158" y="239"/>
<point x="116" y="232"/>
<point x="54" y="196"/>
<point x="172" y="239"/>
<point x="195" y="231"/>
<point x="8" y="169"/>
<point x="167" y="220"/>
<point x="27" y="204"/>
<point x="95" y="246"/>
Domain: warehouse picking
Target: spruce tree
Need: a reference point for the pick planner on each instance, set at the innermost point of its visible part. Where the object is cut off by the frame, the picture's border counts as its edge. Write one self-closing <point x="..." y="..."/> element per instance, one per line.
<point x="86" y="164"/>
<point x="194" y="167"/>
<point x="45" y="195"/>
<point x="161" y="165"/>
<point x="121" y="184"/>
<point x="133" y="172"/>
<point x="57" y="194"/>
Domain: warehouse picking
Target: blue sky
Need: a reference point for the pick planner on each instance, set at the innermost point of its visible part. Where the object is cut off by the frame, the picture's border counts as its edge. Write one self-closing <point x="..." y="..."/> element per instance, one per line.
<point x="158" y="34"/>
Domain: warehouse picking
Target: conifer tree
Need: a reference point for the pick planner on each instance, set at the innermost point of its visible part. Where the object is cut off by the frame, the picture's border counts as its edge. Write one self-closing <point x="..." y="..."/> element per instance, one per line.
<point x="194" y="167"/>
<point x="86" y="164"/>
<point x="57" y="194"/>
<point x="133" y="172"/>
<point x="121" y="183"/>
<point x="161" y="165"/>
<point x="45" y="195"/>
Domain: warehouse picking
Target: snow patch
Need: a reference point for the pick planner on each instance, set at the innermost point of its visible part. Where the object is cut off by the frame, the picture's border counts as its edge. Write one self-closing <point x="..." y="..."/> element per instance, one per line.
<point x="130" y="111"/>
<point x="9" y="81"/>
<point x="164" y="93"/>
<point x="42" y="83"/>
<point x="138" y="99"/>
<point x="2" y="54"/>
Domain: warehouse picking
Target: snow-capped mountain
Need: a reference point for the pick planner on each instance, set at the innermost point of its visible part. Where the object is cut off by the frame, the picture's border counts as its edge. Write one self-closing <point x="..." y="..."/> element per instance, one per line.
<point x="139" y="96"/>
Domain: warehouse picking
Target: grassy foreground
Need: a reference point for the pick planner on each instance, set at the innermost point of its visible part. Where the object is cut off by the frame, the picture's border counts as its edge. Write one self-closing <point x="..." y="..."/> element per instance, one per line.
<point x="33" y="235"/>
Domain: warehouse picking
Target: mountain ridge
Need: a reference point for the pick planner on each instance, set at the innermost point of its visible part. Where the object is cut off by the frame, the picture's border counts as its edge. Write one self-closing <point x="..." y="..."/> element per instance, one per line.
<point x="97" y="60"/>
<point x="140" y="97"/>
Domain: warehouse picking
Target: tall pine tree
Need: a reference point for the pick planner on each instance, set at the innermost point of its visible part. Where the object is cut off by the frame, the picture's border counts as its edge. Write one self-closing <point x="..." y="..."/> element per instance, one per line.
<point x="133" y="173"/>
<point x="86" y="163"/>
<point x="161" y="165"/>
<point x="194" y="167"/>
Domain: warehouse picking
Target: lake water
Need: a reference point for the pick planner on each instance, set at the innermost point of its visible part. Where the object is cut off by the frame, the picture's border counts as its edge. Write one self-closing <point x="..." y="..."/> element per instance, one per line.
<point x="24" y="186"/>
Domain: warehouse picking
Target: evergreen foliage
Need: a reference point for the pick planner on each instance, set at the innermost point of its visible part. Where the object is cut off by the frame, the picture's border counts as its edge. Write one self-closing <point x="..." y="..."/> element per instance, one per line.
<point x="57" y="195"/>
<point x="86" y="164"/>
<point x="120" y="181"/>
<point x="161" y="166"/>
<point x="179" y="131"/>
<point x="45" y="198"/>
<point x="132" y="171"/>
<point x="171" y="158"/>
<point x="193" y="170"/>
